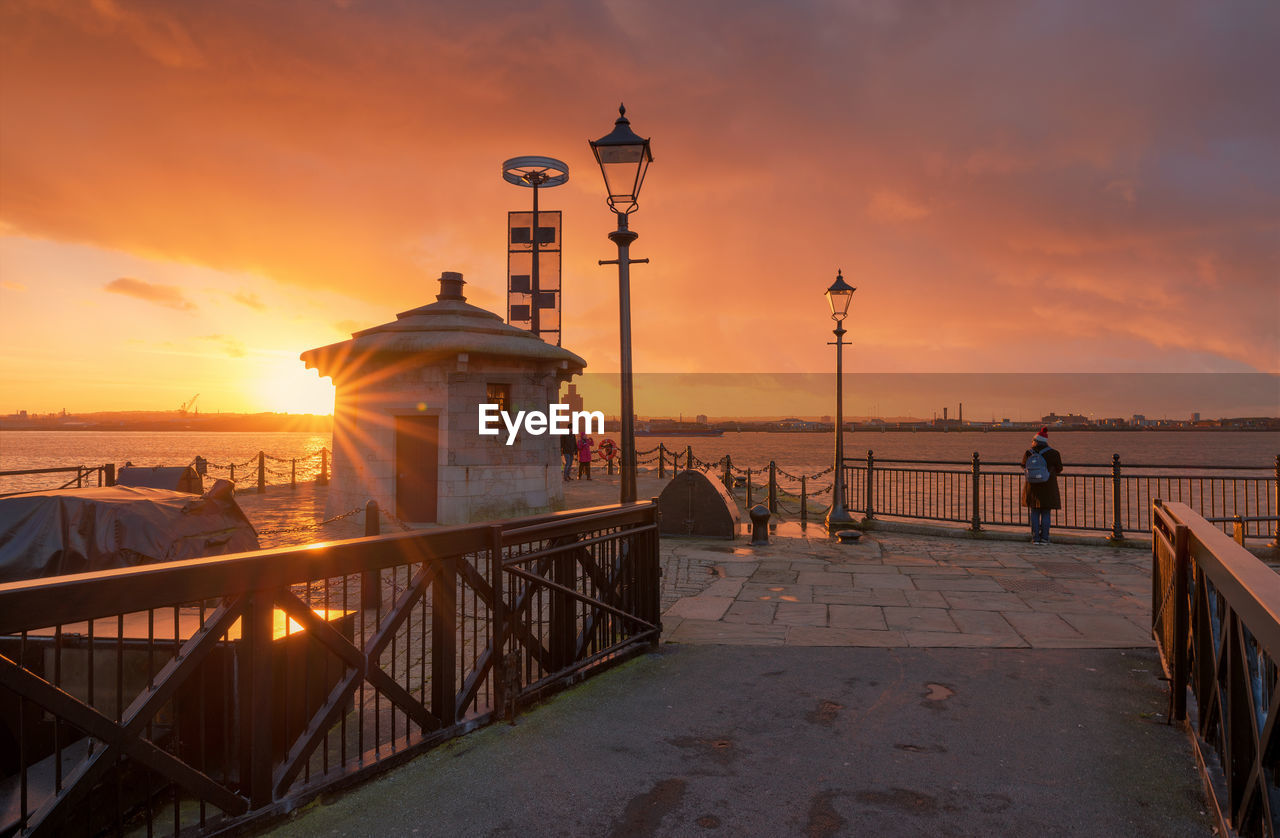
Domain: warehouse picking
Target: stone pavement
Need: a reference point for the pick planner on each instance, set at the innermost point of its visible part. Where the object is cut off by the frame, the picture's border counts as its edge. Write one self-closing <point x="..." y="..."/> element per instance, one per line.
<point x="896" y="590"/>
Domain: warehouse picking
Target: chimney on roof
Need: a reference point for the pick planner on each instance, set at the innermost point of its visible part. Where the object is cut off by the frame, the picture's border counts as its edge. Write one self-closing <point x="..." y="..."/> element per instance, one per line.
<point x="451" y="287"/>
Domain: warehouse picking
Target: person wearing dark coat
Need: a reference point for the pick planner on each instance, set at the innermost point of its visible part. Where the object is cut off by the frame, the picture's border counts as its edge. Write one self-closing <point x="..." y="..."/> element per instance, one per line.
<point x="569" y="451"/>
<point x="1041" y="498"/>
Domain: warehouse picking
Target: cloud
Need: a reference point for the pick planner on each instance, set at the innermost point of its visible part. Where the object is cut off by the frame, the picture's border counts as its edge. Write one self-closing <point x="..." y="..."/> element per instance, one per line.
<point x="250" y="299"/>
<point x="12" y="285"/>
<point x="233" y="347"/>
<point x="168" y="296"/>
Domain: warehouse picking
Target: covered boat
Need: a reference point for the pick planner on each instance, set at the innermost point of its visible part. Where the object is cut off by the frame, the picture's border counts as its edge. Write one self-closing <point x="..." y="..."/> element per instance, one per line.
<point x="83" y="530"/>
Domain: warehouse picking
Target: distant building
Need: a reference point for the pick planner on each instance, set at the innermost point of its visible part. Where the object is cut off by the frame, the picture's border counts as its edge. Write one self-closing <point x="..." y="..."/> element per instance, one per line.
<point x="1195" y="417"/>
<point x="701" y="419"/>
<point x="1071" y="419"/>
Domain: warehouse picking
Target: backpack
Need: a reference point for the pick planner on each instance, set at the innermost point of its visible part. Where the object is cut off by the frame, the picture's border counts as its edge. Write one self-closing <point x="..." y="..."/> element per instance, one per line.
<point x="1037" y="468"/>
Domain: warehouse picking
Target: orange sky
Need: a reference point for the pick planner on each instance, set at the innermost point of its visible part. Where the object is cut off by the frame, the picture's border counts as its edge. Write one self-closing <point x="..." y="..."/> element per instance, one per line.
<point x="191" y="194"/>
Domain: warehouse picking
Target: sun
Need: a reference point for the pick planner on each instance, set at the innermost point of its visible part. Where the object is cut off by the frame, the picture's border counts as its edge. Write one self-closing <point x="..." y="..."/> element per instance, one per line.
<point x="286" y="386"/>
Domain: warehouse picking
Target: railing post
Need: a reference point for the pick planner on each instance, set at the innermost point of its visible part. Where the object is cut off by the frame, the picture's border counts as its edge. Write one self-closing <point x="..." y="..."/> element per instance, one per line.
<point x="564" y="623"/>
<point x="293" y="472"/>
<point x="804" y="499"/>
<point x="232" y="475"/>
<point x="444" y="642"/>
<point x="110" y="474"/>
<point x="254" y="662"/>
<point x="976" y="518"/>
<point x="773" y="487"/>
<point x="262" y="472"/>
<point x="688" y="458"/>
<point x="1237" y="529"/>
<point x="1117" y="526"/>
<point x="662" y="462"/>
<point x="1181" y="621"/>
<point x="498" y="620"/>
<point x="1275" y="541"/>
<point x="870" y="487"/>
<point x="80" y="477"/>
<point x="728" y="473"/>
<point x="371" y="580"/>
<point x="322" y="479"/>
<point x="748" y="488"/>
<point x="652" y="607"/>
<point x="608" y="466"/>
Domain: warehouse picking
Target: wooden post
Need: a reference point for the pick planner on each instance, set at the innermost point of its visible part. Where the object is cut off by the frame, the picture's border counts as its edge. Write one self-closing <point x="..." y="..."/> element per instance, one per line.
<point x="322" y="478"/>
<point x="1181" y="622"/>
<point x="371" y="580"/>
<point x="444" y="642"/>
<point x="975" y="523"/>
<point x="1117" y="526"/>
<point x="256" y="700"/>
<point x="262" y="472"/>
<point x="1237" y="530"/>
<point x="773" y="487"/>
<point x="870" y="487"/>
<point x="804" y="499"/>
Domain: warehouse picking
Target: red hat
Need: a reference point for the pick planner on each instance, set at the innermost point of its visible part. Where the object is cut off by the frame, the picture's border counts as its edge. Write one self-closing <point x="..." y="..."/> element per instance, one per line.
<point x="1044" y="430"/>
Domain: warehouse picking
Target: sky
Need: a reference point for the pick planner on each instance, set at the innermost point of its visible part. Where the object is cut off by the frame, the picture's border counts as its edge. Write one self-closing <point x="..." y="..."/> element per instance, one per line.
<point x="192" y="194"/>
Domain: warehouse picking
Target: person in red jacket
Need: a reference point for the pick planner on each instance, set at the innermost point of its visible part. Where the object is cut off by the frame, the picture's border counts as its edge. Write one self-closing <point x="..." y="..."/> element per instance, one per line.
<point x="1040" y="493"/>
<point x="584" y="457"/>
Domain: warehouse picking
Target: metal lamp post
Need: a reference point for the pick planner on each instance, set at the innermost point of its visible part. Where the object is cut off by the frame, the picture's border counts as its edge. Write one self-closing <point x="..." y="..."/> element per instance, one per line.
<point x="839" y="295"/>
<point x="624" y="158"/>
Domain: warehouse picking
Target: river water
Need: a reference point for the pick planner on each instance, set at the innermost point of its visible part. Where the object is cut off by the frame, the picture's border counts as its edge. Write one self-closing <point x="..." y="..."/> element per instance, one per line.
<point x="795" y="453"/>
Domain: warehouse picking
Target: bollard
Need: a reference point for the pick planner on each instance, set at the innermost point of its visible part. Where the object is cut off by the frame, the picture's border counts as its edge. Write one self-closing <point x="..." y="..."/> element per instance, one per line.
<point x="371" y="580"/>
<point x="262" y="472"/>
<point x="1117" y="526"/>
<point x="804" y="499"/>
<point x="773" y="487"/>
<point x="975" y="523"/>
<point x="759" y="525"/>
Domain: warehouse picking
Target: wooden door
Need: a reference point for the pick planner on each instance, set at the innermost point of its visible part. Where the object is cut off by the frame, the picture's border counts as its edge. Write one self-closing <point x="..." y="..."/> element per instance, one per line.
<point x="417" y="467"/>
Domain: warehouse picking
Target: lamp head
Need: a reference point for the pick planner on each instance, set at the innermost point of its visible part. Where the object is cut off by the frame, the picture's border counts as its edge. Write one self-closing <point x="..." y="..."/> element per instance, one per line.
<point x="624" y="158"/>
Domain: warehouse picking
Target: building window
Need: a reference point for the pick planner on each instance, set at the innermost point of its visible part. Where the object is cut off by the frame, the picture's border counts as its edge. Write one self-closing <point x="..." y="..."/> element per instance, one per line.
<point x="499" y="394"/>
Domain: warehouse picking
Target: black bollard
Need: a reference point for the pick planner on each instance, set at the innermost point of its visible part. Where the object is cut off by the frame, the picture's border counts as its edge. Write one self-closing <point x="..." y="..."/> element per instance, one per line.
<point x="759" y="524"/>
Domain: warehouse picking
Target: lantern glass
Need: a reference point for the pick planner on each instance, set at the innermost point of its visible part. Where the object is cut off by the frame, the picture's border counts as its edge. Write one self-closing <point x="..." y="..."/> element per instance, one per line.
<point x="839" y="295"/>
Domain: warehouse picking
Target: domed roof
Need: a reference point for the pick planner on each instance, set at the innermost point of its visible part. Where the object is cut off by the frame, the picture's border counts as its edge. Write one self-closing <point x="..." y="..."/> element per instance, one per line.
<point x="441" y="329"/>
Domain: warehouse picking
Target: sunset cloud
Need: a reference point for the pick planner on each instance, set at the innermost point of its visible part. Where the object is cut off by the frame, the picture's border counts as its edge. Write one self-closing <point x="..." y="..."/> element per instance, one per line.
<point x="162" y="295"/>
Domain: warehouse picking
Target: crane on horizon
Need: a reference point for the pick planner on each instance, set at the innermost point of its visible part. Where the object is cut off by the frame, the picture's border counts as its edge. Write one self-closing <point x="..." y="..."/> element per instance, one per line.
<point x="188" y="405"/>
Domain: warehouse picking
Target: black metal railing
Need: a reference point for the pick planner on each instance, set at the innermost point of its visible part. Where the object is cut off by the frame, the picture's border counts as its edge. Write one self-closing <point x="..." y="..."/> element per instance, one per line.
<point x="1215" y="615"/>
<point x="185" y="697"/>
<point x="81" y="477"/>
<point x="1100" y="497"/>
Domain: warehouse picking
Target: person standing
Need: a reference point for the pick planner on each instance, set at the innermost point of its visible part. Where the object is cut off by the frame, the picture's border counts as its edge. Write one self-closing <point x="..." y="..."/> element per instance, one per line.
<point x="1040" y="495"/>
<point x="568" y="451"/>
<point x="584" y="457"/>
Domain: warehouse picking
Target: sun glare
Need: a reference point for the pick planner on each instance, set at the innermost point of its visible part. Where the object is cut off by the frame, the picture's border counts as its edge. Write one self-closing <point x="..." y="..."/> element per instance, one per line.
<point x="285" y="386"/>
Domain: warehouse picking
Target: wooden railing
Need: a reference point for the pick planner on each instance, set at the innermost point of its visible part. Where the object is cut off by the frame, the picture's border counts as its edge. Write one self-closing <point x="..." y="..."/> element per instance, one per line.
<point x="1215" y="615"/>
<point x="188" y="697"/>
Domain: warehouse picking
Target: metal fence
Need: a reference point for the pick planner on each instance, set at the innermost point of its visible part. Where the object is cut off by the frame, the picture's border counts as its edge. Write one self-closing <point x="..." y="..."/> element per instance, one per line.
<point x="1215" y="615"/>
<point x="1103" y="497"/>
<point x="81" y="477"/>
<point x="186" y="697"/>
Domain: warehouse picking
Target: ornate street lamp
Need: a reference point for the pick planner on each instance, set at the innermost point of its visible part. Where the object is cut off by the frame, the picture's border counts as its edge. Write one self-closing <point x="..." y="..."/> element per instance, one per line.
<point x="624" y="158"/>
<point x="839" y="295"/>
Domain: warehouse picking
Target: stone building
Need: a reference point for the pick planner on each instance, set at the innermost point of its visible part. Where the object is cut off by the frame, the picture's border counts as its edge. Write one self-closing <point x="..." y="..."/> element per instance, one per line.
<point x="406" y="415"/>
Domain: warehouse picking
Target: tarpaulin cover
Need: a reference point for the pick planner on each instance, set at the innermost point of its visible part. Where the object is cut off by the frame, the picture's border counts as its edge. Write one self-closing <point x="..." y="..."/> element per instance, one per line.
<point x="83" y="530"/>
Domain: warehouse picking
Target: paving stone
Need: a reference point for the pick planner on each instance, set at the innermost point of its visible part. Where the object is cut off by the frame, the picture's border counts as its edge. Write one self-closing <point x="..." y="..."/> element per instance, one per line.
<point x="734" y="634"/>
<point x="801" y="614"/>
<point x="957" y="583"/>
<point x="882" y="581"/>
<point x="1035" y="627"/>
<point x="925" y="599"/>
<point x="701" y="607"/>
<point x="986" y="623"/>
<point x="774" y="577"/>
<point x="756" y="613"/>
<point x="985" y="601"/>
<point x="776" y="593"/>
<point x="852" y="596"/>
<point x="725" y="587"/>
<point x="1108" y="628"/>
<point x="918" y="619"/>
<point x="856" y="616"/>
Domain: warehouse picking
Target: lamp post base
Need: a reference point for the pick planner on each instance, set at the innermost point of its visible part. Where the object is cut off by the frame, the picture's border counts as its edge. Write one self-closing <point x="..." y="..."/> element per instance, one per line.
<point x="838" y="517"/>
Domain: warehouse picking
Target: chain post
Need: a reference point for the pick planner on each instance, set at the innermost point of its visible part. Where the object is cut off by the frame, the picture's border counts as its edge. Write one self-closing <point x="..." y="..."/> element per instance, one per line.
<point x="728" y="473"/>
<point x="804" y="499"/>
<point x="748" y="488"/>
<point x="371" y="580"/>
<point x="662" y="462"/>
<point x="293" y="472"/>
<point x="773" y="487"/>
<point x="1117" y="526"/>
<point x="262" y="472"/>
<point x="976" y="523"/>
<point x="322" y="479"/>
<point x="688" y="458"/>
<point x="232" y="476"/>
<point x="1275" y="542"/>
<point x="870" y="491"/>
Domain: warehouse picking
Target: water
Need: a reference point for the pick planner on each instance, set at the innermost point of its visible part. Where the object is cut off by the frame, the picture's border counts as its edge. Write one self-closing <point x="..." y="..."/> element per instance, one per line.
<point x="798" y="454"/>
